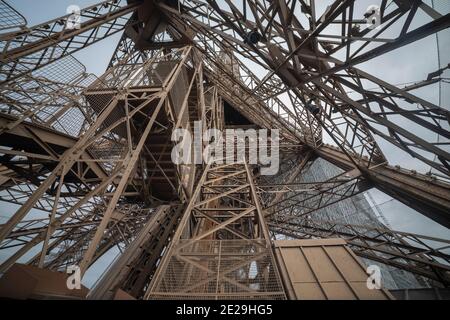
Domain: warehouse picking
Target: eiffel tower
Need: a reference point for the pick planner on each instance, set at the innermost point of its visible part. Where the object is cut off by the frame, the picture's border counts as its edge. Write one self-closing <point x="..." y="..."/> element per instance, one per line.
<point x="86" y="161"/>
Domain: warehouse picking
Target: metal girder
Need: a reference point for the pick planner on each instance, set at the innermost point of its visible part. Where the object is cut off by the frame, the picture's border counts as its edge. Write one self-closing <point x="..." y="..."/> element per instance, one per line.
<point x="133" y="271"/>
<point x="120" y="113"/>
<point x="273" y="56"/>
<point x="285" y="42"/>
<point x="94" y="153"/>
<point x="29" y="49"/>
<point x="50" y="96"/>
<point x="237" y="75"/>
<point x="69" y="248"/>
<point x="124" y="47"/>
<point x="313" y="196"/>
<point x="423" y="193"/>
<point x="272" y="189"/>
<point x="329" y="93"/>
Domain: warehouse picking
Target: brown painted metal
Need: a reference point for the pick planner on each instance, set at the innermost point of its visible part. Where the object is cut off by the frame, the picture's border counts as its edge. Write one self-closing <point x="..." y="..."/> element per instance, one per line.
<point x="324" y="269"/>
<point x="94" y="152"/>
<point x="221" y="250"/>
<point x="402" y="250"/>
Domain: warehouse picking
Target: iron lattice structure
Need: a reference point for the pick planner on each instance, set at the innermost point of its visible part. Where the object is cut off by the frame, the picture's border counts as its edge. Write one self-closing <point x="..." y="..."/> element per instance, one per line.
<point x="229" y="256"/>
<point x="86" y="160"/>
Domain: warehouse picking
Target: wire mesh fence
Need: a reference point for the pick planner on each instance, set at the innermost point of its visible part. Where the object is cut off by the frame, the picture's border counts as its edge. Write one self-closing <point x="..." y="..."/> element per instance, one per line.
<point x="10" y="18"/>
<point x="219" y="269"/>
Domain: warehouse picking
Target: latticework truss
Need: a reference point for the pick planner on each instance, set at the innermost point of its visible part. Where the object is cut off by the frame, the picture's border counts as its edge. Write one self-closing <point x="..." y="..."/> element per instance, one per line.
<point x="85" y="160"/>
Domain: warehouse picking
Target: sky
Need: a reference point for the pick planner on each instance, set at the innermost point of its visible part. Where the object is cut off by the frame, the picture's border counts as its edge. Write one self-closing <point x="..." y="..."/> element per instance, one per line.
<point x="411" y="63"/>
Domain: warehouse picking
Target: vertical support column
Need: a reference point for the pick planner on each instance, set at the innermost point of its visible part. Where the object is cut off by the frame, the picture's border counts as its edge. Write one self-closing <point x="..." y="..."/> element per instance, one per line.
<point x="222" y="248"/>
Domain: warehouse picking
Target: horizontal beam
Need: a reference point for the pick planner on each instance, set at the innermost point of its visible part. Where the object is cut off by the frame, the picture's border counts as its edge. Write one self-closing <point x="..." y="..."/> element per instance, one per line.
<point x="423" y="193"/>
